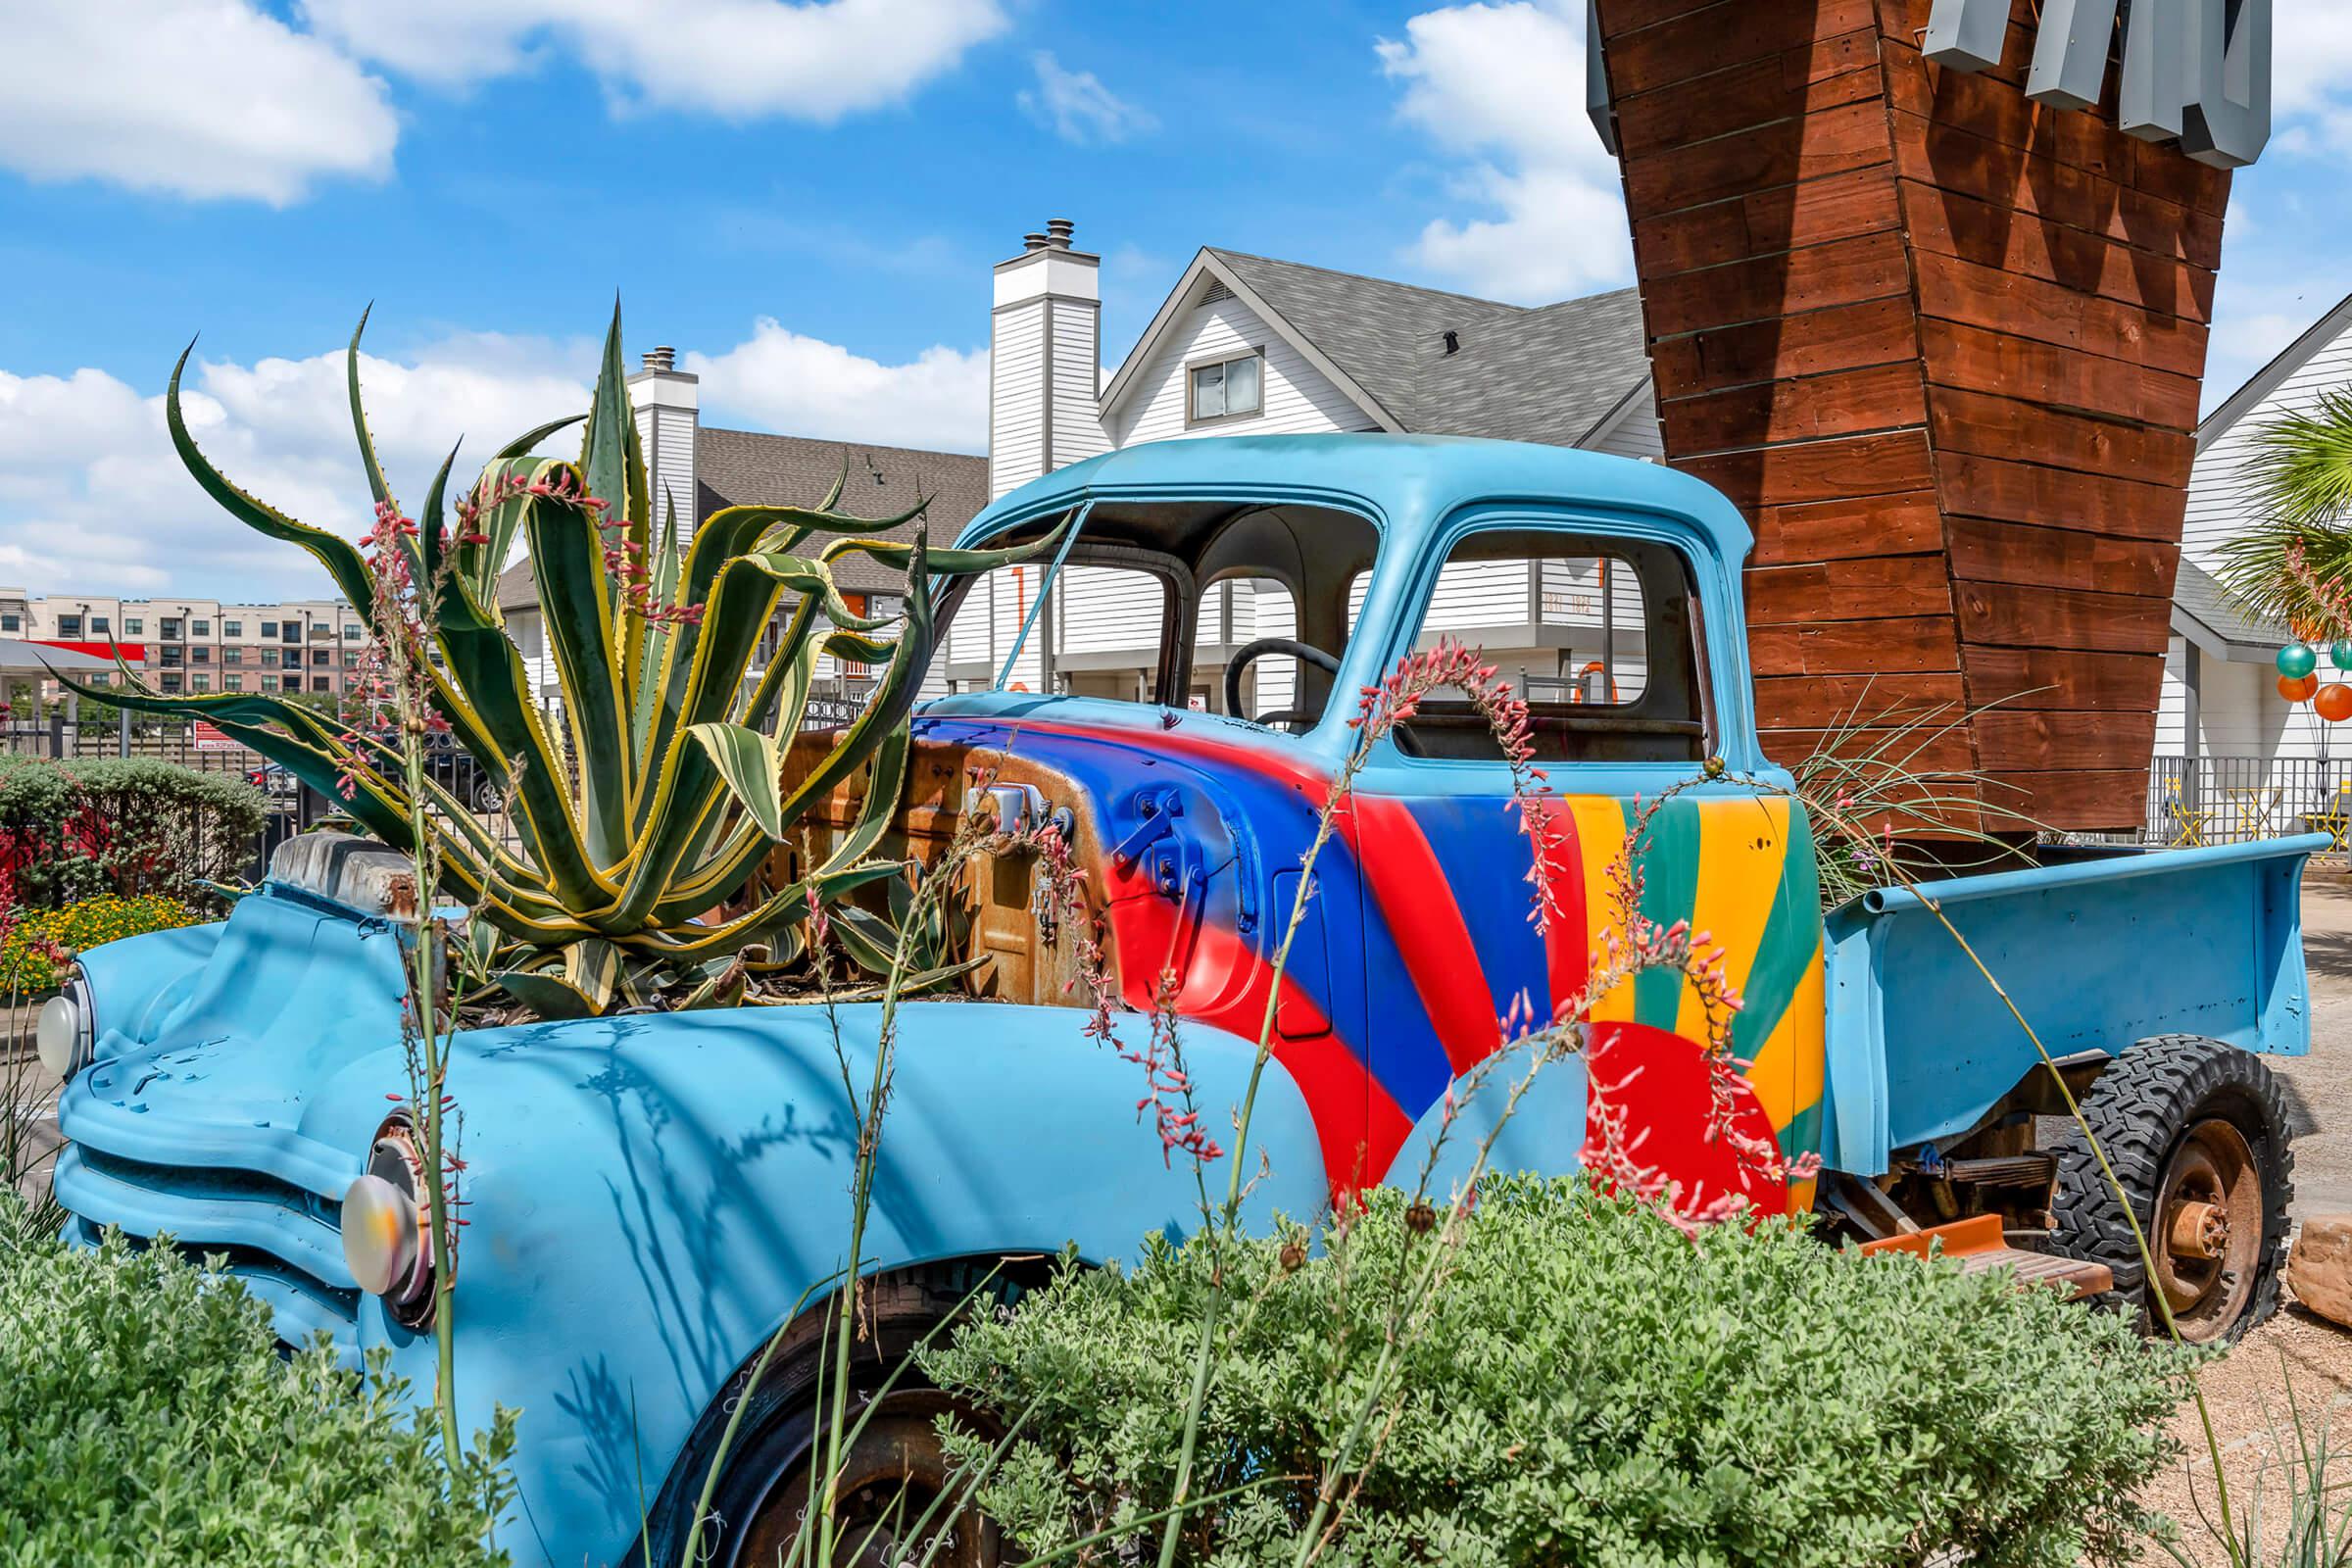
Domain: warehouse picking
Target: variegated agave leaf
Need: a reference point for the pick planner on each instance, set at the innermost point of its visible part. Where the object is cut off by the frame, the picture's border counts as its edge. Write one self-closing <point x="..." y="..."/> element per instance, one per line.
<point x="646" y="800"/>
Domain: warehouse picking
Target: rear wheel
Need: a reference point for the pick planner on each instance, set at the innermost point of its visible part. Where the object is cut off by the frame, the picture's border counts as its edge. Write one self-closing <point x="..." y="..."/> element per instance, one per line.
<point x="2197" y="1133"/>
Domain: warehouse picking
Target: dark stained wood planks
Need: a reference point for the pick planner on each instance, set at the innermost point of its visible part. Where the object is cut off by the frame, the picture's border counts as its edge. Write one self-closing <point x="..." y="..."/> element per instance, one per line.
<point x="1943" y="347"/>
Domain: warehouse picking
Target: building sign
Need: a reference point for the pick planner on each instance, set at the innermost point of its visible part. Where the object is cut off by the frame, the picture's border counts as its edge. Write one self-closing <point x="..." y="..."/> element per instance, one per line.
<point x="2195" y="71"/>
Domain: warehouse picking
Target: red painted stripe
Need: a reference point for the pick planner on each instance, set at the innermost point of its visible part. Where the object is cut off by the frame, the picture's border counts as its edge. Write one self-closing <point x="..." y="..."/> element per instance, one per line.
<point x="1567" y="938"/>
<point x="1357" y="1127"/>
<point x="1417" y="903"/>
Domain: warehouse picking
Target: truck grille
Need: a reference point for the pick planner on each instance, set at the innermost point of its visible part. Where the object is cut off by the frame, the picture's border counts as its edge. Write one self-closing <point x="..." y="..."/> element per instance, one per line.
<point x="282" y="1240"/>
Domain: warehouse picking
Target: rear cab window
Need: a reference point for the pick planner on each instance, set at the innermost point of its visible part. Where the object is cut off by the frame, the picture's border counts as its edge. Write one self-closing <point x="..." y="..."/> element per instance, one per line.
<point x="1600" y="636"/>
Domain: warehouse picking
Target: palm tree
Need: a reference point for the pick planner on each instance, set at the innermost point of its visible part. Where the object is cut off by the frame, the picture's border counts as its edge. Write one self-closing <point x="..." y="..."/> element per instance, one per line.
<point x="2295" y="564"/>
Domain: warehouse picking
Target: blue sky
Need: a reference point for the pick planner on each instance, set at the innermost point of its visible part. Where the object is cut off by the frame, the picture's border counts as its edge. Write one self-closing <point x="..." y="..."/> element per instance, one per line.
<point x="803" y="198"/>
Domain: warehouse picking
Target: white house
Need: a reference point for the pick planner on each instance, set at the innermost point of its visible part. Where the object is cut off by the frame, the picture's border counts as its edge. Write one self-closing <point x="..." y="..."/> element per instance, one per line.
<point x="2246" y="757"/>
<point x="1249" y="345"/>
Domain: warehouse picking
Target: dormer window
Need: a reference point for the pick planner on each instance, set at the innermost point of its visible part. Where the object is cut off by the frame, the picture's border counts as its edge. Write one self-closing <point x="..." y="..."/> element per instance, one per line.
<point x="1228" y="388"/>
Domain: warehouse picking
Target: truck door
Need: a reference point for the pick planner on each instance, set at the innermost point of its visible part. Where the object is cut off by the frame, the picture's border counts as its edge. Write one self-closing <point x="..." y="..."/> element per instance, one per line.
<point x="1605" y="637"/>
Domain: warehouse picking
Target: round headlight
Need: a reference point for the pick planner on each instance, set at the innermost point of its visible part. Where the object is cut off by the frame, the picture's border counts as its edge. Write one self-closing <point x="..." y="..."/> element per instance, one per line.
<point x="63" y="1034"/>
<point x="380" y="1239"/>
<point x="385" y="1239"/>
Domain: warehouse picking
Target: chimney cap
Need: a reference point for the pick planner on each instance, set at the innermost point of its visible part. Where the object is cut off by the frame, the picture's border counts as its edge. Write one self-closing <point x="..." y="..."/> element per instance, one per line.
<point x="1033" y="242"/>
<point x="662" y="357"/>
<point x="1058" y="231"/>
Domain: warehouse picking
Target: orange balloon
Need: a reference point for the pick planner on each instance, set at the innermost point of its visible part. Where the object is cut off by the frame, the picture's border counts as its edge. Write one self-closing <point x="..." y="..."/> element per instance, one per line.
<point x="2298" y="689"/>
<point x="2335" y="701"/>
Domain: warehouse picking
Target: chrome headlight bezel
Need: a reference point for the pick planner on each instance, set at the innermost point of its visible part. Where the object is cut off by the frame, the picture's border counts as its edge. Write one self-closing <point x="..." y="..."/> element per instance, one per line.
<point x="66" y="1033"/>
<point x="387" y="1240"/>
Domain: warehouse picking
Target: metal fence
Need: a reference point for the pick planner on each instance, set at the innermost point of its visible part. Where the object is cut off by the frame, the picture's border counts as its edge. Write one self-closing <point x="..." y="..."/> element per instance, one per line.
<point x="2230" y="799"/>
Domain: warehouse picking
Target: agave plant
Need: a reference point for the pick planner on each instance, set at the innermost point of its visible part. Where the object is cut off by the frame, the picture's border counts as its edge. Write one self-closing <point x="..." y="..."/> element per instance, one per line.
<point x="661" y="788"/>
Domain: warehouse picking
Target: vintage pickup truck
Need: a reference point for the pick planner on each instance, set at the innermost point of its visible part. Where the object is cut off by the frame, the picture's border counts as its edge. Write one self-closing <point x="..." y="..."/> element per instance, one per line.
<point x="649" y="1194"/>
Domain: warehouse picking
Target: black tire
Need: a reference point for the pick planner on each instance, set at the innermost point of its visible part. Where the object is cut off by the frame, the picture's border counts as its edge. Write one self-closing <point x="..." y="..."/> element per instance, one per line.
<point x="2177" y="1114"/>
<point x="764" y="1475"/>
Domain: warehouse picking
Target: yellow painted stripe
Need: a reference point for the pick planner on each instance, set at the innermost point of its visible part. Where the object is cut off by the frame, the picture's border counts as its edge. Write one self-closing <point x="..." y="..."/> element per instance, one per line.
<point x="1741" y="845"/>
<point x="1599" y="844"/>
<point x="1787" y="1073"/>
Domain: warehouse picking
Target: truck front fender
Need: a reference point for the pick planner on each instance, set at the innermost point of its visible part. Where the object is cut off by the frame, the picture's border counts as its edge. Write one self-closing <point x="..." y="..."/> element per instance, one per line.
<point x="648" y="1197"/>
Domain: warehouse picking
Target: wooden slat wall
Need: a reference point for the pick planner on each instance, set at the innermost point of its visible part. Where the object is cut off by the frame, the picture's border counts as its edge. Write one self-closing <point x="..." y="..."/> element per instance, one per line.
<point x="1943" y="347"/>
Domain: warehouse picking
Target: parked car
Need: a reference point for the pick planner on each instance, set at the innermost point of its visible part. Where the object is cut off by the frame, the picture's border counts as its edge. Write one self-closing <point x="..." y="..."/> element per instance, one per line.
<point x="273" y="780"/>
<point x="648" y="1196"/>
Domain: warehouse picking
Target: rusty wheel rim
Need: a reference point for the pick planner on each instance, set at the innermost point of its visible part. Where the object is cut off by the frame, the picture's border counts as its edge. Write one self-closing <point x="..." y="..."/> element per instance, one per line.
<point x="2209" y="1225"/>
<point x="894" y="1472"/>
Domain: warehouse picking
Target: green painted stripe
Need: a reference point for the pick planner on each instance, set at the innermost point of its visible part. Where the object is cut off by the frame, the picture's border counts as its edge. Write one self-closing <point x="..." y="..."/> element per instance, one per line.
<point x="1792" y="937"/>
<point x="1803" y="1135"/>
<point x="1669" y="864"/>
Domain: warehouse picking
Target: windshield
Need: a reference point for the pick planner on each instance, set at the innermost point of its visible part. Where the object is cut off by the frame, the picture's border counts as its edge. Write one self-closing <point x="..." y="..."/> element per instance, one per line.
<point x="1238" y="608"/>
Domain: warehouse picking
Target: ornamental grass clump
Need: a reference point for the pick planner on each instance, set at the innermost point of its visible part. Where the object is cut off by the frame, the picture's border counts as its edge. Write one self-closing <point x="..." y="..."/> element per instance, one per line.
<point x="1594" y="1385"/>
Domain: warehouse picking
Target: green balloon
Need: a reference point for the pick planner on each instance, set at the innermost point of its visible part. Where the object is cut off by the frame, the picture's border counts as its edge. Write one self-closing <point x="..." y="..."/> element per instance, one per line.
<point x="2339" y="653"/>
<point x="2295" y="661"/>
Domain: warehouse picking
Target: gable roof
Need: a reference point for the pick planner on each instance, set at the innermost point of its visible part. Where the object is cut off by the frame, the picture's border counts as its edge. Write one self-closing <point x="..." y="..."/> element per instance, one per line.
<point x="1550" y="373"/>
<point x="2271" y="378"/>
<point x="2204" y="613"/>
<point x="744" y="467"/>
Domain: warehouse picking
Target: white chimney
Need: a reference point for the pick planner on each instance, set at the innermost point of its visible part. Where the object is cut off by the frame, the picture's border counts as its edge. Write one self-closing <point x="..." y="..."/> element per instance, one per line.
<point x="668" y="408"/>
<point x="1045" y="361"/>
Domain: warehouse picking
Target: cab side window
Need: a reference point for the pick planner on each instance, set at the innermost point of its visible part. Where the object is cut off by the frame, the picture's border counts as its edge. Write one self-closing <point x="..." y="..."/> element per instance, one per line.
<point x="1598" y="635"/>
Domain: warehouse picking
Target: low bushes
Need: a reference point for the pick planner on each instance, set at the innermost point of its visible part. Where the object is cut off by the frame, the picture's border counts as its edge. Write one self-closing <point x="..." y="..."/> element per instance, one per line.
<point x="1589" y="1385"/>
<point x="80" y="827"/>
<point x="38" y="938"/>
<point x="146" y="1417"/>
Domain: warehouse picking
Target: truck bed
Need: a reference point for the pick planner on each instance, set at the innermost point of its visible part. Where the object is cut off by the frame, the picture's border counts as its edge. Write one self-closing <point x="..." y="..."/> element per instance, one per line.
<point x="2098" y="953"/>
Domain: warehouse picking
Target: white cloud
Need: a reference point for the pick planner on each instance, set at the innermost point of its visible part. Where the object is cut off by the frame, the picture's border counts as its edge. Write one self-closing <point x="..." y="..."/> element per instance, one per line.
<point x="1076" y="107"/>
<point x="198" y="98"/>
<point x="92" y="498"/>
<point x="1500" y="86"/>
<point x="815" y="60"/>
<point x="796" y="386"/>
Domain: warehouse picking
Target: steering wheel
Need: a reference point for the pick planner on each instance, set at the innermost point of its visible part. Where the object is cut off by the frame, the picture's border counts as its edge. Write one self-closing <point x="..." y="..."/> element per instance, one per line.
<point x="1258" y="650"/>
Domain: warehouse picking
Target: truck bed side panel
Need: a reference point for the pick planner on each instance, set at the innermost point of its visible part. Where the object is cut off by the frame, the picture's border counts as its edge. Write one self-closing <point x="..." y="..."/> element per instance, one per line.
<point x="2096" y="954"/>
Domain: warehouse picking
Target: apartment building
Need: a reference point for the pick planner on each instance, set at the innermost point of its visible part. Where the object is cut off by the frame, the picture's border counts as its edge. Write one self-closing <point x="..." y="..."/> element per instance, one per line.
<point x="200" y="645"/>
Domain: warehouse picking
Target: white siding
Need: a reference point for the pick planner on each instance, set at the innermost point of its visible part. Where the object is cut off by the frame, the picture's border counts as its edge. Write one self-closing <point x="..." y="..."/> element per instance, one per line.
<point x="1636" y="432"/>
<point x="1298" y="397"/>
<point x="2218" y="504"/>
<point x="1109" y="610"/>
<point x="1078" y="432"/>
<point x="670" y="461"/>
<point x="1016" y="418"/>
<point x="1478" y="593"/>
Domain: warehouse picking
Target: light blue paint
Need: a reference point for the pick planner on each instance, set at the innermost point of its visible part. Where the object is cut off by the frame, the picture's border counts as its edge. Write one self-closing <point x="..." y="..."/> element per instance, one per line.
<point x="2096" y="954"/>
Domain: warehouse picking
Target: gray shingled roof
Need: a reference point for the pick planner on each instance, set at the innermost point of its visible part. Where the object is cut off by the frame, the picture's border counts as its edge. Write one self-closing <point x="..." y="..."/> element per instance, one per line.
<point x="2204" y="613"/>
<point x="743" y="468"/>
<point x="1547" y="373"/>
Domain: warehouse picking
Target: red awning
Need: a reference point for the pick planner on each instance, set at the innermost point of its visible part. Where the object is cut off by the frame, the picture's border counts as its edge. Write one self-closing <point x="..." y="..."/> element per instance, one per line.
<point x="132" y="653"/>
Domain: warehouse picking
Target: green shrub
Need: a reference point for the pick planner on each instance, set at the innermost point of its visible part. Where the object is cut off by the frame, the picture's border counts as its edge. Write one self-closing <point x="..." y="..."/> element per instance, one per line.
<point x="1588" y="1386"/>
<point x="146" y="1417"/>
<point x="79" y="827"/>
<point x="30" y="952"/>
